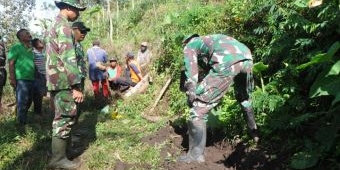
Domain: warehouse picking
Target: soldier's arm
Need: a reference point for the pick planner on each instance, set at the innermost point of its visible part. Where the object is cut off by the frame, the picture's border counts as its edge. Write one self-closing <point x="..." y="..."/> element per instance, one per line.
<point x="68" y="56"/>
<point x="191" y="67"/>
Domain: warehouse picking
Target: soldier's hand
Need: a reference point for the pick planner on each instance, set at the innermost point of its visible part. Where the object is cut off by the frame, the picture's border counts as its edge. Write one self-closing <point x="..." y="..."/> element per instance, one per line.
<point x="191" y="94"/>
<point x="77" y="96"/>
<point x="182" y="81"/>
<point x="190" y="99"/>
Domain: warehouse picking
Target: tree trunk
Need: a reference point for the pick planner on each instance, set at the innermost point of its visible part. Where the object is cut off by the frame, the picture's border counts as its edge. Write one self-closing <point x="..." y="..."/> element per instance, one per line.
<point x="154" y="9"/>
<point x="133" y="4"/>
<point x="117" y="15"/>
<point x="110" y="20"/>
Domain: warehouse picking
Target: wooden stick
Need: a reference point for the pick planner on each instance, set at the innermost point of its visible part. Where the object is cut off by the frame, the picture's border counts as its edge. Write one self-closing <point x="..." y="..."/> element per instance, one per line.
<point x="156" y="118"/>
<point x="161" y="93"/>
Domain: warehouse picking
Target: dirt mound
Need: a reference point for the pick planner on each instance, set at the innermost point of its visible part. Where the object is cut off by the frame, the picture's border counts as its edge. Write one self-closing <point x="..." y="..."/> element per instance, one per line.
<point x="220" y="153"/>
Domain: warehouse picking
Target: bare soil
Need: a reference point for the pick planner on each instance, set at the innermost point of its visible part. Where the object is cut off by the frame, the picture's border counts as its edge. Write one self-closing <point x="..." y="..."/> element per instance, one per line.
<point x="220" y="153"/>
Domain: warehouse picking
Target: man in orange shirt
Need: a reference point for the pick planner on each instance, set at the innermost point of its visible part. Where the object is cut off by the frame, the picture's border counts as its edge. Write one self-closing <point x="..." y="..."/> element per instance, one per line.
<point x="134" y="68"/>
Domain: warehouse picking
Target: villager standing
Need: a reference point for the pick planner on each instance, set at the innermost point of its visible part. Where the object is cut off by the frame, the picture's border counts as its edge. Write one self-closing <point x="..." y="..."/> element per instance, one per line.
<point x="98" y="75"/>
<point x="224" y="61"/>
<point x="143" y="57"/>
<point x="21" y="73"/>
<point x="63" y="80"/>
<point x="39" y="85"/>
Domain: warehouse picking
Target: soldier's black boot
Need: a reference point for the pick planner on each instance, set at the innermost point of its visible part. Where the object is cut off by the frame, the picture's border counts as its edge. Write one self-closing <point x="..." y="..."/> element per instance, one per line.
<point x="59" y="159"/>
<point x="197" y="140"/>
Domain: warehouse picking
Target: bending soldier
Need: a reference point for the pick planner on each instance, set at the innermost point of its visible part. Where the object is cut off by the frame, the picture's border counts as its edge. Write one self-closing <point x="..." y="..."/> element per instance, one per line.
<point x="224" y="61"/>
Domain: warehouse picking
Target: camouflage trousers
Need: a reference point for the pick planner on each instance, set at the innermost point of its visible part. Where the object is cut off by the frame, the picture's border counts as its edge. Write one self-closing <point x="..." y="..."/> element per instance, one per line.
<point x="215" y="84"/>
<point x="65" y="113"/>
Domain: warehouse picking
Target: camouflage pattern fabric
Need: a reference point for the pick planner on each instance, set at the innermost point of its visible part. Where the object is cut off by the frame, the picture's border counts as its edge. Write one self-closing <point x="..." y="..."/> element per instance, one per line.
<point x="74" y="3"/>
<point x="61" y="62"/>
<point x="223" y="60"/>
<point x="62" y="72"/>
<point x="214" y="86"/>
<point x="65" y="113"/>
<point x="81" y="59"/>
<point x="3" y="72"/>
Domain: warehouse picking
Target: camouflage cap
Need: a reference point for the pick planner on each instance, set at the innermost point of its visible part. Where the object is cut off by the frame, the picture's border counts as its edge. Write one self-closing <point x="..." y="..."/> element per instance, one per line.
<point x="73" y="3"/>
<point x="189" y="37"/>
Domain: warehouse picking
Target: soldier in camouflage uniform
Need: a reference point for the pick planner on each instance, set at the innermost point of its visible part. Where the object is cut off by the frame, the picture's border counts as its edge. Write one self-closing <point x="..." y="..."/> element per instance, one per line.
<point x="80" y="31"/>
<point x="224" y="60"/>
<point x="64" y="80"/>
<point x="3" y="73"/>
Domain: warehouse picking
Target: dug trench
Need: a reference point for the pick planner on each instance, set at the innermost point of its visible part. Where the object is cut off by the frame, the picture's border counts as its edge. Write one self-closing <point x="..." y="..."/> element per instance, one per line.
<point x="220" y="153"/>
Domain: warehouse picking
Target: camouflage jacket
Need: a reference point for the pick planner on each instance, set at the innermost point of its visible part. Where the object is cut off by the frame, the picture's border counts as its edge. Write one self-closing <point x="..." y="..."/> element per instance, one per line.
<point x="81" y="59"/>
<point x="2" y="55"/>
<point x="215" y="53"/>
<point x="62" y="70"/>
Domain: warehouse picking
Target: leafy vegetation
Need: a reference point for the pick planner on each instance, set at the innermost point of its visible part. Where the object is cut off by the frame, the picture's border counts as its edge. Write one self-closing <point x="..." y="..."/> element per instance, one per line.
<point x="296" y="50"/>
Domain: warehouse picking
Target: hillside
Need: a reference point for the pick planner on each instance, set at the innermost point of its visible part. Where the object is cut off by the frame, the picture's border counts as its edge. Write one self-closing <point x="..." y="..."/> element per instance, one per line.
<point x="296" y="54"/>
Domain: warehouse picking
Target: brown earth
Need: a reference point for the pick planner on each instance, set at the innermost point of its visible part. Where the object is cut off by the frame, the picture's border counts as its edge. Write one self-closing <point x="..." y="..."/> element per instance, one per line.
<point x="220" y="153"/>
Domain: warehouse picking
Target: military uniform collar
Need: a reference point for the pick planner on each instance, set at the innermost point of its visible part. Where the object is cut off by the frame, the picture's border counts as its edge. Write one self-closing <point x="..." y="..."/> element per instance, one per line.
<point x="62" y="17"/>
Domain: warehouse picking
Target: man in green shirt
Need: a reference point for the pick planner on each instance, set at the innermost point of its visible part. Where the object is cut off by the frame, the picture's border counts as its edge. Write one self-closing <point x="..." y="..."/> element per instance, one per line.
<point x="21" y="73"/>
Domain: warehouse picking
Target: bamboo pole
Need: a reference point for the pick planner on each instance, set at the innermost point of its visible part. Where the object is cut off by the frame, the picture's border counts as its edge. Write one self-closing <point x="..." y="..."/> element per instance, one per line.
<point x="156" y="118"/>
<point x="161" y="94"/>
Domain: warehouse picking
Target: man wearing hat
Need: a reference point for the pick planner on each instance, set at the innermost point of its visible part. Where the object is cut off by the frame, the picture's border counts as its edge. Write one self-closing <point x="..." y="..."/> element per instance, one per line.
<point x="143" y="56"/>
<point x="63" y="80"/>
<point x="114" y="71"/>
<point x="79" y="32"/>
<point x="134" y="68"/>
<point x="224" y="61"/>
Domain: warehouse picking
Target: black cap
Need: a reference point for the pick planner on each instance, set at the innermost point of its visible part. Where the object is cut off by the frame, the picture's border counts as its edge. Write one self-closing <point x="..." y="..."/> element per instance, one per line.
<point x="130" y="55"/>
<point x="80" y="26"/>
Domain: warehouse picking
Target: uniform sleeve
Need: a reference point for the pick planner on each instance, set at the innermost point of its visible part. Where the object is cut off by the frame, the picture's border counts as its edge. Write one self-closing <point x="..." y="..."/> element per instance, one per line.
<point x="191" y="52"/>
<point x="67" y="55"/>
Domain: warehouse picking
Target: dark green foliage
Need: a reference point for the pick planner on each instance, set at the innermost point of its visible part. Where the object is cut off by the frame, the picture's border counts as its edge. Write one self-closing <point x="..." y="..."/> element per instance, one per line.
<point x="298" y="88"/>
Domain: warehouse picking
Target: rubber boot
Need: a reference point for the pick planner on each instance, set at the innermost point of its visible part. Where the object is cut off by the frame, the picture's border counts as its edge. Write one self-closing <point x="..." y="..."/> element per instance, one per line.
<point x="250" y="119"/>
<point x="59" y="159"/>
<point x="74" y="148"/>
<point x="197" y="141"/>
